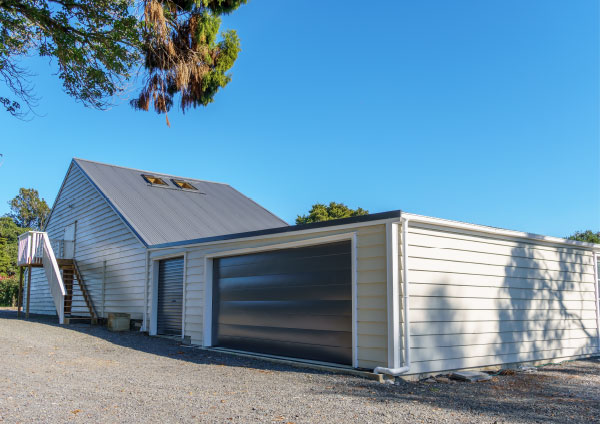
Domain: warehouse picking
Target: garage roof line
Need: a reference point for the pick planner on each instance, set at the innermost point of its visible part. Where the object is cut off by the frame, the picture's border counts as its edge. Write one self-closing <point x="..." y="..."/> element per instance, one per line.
<point x="288" y="229"/>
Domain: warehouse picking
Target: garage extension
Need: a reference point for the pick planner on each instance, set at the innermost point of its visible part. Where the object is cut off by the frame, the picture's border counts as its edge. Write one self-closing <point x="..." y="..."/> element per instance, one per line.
<point x="393" y="292"/>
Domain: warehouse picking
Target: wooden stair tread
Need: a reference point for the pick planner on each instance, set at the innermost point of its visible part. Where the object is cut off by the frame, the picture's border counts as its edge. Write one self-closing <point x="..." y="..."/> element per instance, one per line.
<point x="70" y="272"/>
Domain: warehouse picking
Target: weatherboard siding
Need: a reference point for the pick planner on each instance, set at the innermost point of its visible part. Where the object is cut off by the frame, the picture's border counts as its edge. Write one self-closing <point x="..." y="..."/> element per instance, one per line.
<point x="371" y="286"/>
<point x="101" y="237"/>
<point x="479" y="300"/>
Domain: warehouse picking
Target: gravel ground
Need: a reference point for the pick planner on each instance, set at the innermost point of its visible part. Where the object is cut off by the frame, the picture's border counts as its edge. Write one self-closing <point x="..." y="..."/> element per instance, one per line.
<point x="81" y="373"/>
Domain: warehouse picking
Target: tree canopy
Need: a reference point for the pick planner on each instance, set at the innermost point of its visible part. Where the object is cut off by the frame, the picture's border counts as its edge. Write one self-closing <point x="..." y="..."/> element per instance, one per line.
<point x="588" y="236"/>
<point x="98" y="44"/>
<point x="28" y="210"/>
<point x="183" y="53"/>
<point x="321" y="212"/>
<point x="9" y="235"/>
<point x="94" y="42"/>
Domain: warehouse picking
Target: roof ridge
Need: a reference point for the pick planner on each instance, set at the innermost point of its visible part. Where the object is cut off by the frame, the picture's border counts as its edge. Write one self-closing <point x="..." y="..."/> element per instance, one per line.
<point x="148" y="172"/>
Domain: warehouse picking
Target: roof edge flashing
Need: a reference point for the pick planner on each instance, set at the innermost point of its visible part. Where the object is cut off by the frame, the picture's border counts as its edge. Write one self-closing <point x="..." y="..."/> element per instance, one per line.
<point x="114" y="207"/>
<point x="145" y="171"/>
<point x="394" y="215"/>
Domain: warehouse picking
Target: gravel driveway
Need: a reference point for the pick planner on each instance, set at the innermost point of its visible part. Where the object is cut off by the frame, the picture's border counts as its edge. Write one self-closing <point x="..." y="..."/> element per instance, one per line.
<point x="80" y="373"/>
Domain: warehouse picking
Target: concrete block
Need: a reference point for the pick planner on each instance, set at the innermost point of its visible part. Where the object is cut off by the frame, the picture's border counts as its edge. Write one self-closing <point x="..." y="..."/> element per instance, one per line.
<point x="118" y="321"/>
<point x="471" y="376"/>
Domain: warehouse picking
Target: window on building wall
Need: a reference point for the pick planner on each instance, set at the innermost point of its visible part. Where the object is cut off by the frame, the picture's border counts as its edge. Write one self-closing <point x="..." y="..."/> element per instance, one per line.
<point x="151" y="179"/>
<point x="183" y="184"/>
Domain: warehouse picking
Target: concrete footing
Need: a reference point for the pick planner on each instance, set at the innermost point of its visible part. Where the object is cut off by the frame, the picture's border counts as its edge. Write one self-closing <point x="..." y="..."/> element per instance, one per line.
<point x="320" y="366"/>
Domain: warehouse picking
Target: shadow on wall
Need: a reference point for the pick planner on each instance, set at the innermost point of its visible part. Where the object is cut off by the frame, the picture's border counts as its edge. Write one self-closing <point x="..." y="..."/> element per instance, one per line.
<point x="555" y="309"/>
<point x="537" y="305"/>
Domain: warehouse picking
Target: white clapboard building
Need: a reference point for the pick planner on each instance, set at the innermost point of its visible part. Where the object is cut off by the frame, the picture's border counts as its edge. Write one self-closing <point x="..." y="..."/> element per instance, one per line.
<point x="396" y="292"/>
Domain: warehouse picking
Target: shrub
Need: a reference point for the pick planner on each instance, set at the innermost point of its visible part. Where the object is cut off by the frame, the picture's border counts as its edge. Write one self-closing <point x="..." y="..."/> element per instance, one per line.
<point x="9" y="291"/>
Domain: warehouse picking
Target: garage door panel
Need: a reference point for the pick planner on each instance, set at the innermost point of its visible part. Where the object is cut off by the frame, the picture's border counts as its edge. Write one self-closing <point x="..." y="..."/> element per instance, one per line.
<point x="281" y="308"/>
<point x="305" y="292"/>
<point x="322" y="353"/>
<point x="170" y="296"/>
<point x="305" y="320"/>
<point x="305" y="278"/>
<point x="286" y="254"/>
<point x="279" y="266"/>
<point x="299" y="335"/>
<point x="291" y="302"/>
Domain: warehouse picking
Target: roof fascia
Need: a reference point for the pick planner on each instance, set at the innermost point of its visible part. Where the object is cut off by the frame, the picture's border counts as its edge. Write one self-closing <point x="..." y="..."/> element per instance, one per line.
<point x="113" y="206"/>
<point x="334" y="224"/>
<point x="58" y="195"/>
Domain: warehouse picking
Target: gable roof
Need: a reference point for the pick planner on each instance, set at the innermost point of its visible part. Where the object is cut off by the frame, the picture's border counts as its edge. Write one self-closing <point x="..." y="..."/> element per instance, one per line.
<point x="167" y="214"/>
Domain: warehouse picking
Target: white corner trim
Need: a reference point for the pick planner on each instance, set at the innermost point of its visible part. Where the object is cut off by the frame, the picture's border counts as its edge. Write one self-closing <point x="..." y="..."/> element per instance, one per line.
<point x="393" y="295"/>
<point x="597" y="286"/>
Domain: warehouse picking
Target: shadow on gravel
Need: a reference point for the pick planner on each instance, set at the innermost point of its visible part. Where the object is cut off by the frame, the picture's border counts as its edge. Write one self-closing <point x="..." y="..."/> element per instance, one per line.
<point x="552" y="397"/>
<point x="160" y="346"/>
<point x="537" y="397"/>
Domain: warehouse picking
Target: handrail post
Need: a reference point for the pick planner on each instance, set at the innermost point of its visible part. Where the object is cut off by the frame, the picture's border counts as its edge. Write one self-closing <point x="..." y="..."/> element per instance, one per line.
<point x="20" y="296"/>
<point x="28" y="289"/>
<point x="29" y="243"/>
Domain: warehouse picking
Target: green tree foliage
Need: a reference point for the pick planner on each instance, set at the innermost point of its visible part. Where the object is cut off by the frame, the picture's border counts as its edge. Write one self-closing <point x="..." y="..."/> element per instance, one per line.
<point x="98" y="43"/>
<point x="95" y="44"/>
<point x="9" y="291"/>
<point x="322" y="212"/>
<point x="28" y="210"/>
<point x="588" y="236"/>
<point x="184" y="54"/>
<point x="9" y="235"/>
<point x="9" y="285"/>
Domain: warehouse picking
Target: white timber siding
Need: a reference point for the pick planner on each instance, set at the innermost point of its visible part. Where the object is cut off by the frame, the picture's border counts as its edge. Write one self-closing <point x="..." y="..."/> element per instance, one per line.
<point x="370" y="275"/>
<point x="480" y="300"/>
<point x="106" y="251"/>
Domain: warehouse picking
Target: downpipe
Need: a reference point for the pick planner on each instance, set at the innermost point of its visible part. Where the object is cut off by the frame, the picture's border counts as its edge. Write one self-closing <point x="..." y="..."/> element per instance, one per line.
<point x="394" y="372"/>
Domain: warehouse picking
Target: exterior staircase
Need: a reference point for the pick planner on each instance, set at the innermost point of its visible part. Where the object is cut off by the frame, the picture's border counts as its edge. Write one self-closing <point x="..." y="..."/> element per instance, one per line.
<point x="71" y="276"/>
<point x="36" y="251"/>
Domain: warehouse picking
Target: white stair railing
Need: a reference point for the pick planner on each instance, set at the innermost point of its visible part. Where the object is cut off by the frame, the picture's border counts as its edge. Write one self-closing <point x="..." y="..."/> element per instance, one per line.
<point x="35" y="248"/>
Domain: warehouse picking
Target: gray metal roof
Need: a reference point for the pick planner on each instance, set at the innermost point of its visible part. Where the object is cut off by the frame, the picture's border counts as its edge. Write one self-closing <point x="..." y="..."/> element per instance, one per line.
<point x="168" y="214"/>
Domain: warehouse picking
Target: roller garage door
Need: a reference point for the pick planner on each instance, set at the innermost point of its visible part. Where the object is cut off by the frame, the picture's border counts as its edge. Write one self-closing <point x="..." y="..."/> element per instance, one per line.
<point x="289" y="302"/>
<point x="170" y="296"/>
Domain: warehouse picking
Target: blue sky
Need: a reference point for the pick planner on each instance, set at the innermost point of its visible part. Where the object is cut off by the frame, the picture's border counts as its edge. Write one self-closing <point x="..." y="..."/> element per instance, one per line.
<point x="479" y="111"/>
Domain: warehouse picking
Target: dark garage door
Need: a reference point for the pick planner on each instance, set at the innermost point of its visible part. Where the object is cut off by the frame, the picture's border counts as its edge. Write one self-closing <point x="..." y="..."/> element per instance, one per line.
<point x="170" y="296"/>
<point x="290" y="302"/>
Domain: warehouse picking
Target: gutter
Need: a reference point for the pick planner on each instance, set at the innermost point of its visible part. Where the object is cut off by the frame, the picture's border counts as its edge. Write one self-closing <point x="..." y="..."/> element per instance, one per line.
<point x="331" y="225"/>
<point x="439" y="222"/>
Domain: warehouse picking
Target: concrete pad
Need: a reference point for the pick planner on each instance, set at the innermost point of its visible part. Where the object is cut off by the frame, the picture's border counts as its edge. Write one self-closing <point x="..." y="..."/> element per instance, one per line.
<point x="470" y="376"/>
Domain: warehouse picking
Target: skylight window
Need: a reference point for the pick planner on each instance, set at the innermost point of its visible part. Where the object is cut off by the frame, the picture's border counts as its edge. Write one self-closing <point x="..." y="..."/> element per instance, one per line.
<point x="183" y="184"/>
<point x="151" y="179"/>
